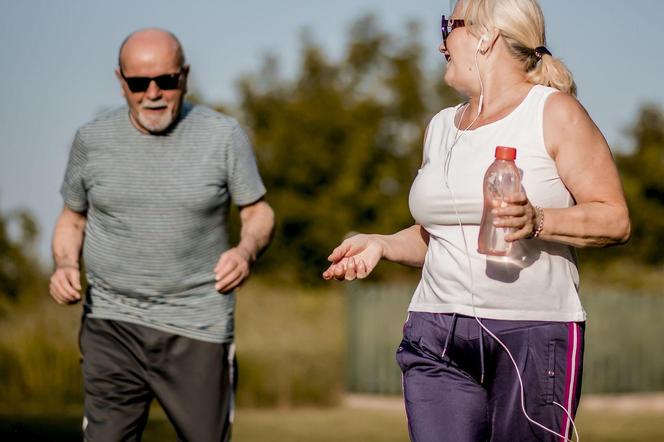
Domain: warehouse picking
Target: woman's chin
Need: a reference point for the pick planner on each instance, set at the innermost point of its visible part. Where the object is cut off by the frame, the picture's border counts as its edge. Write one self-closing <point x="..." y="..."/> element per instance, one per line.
<point x="448" y="77"/>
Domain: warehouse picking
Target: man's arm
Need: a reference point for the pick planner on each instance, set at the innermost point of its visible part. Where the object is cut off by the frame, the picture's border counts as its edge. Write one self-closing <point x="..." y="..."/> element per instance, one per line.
<point x="232" y="269"/>
<point x="65" y="284"/>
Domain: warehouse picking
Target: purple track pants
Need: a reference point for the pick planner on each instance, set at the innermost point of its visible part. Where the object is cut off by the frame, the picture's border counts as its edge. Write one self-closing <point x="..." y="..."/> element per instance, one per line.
<point x="472" y="393"/>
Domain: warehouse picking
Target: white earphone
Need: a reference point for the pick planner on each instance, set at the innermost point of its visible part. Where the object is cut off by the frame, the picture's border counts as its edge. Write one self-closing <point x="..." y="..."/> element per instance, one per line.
<point x="483" y="38"/>
<point x="446" y="166"/>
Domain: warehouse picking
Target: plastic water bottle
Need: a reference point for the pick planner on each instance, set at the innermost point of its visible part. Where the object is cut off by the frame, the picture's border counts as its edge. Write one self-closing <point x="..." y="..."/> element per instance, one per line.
<point x="501" y="180"/>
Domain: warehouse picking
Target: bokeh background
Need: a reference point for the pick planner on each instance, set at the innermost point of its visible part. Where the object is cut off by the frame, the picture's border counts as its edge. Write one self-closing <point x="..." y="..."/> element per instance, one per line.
<point x="335" y="96"/>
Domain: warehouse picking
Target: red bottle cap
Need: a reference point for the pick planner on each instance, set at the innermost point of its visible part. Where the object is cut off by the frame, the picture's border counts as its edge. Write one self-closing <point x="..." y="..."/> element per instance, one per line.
<point x="505" y="153"/>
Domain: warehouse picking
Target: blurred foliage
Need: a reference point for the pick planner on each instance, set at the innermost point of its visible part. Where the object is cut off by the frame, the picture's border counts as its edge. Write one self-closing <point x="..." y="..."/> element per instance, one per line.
<point x="339" y="144"/>
<point x="290" y="346"/>
<point x="290" y="350"/>
<point x="383" y="422"/>
<point x="20" y="271"/>
<point x="643" y="178"/>
<point x="39" y="357"/>
<point x="642" y="172"/>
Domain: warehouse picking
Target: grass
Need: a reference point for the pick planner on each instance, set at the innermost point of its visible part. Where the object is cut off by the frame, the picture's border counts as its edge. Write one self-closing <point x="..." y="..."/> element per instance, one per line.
<point x="290" y="345"/>
<point x="344" y="424"/>
<point x="621" y="275"/>
<point x="331" y="425"/>
<point x="620" y="427"/>
<point x="39" y="357"/>
<point x="291" y="351"/>
<point x="338" y="424"/>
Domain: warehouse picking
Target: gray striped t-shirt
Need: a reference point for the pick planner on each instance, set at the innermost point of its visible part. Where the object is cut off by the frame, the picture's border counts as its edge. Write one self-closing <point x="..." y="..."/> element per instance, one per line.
<point x="157" y="208"/>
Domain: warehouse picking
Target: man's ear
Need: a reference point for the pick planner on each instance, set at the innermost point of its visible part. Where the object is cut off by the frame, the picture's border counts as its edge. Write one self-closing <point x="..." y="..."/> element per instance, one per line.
<point x="185" y="76"/>
<point x="118" y="75"/>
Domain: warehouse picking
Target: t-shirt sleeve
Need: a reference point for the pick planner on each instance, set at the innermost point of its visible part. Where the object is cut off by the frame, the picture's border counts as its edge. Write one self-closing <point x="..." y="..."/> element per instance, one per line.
<point x="244" y="181"/>
<point x="73" y="189"/>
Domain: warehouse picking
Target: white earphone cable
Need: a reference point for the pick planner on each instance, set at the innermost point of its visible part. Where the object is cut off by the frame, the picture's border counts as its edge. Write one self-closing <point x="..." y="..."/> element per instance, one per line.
<point x="446" y="165"/>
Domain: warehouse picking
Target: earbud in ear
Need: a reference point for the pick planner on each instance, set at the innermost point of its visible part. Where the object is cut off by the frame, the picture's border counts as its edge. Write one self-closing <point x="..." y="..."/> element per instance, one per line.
<point x="483" y="38"/>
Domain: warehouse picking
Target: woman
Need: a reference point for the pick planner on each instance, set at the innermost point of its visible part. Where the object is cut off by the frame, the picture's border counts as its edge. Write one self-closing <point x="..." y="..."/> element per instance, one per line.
<point x="481" y="332"/>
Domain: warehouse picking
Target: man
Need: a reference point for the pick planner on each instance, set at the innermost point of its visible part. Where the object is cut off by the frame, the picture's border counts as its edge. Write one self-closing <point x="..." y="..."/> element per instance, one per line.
<point x="146" y="197"/>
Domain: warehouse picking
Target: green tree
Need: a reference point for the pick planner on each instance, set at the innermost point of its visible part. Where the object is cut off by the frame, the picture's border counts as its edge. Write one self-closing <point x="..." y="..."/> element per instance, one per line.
<point x="19" y="269"/>
<point x="641" y="171"/>
<point x="340" y="143"/>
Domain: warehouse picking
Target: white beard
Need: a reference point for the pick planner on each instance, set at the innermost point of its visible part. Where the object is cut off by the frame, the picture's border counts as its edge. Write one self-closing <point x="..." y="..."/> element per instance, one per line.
<point x="155" y="123"/>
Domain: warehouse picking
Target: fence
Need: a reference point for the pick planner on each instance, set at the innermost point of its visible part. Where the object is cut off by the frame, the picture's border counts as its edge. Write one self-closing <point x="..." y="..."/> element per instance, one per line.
<point x="624" y="340"/>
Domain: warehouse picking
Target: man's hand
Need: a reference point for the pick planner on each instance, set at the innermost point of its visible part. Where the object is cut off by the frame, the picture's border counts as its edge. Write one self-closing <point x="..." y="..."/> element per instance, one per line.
<point x="232" y="269"/>
<point x="65" y="285"/>
<point x="257" y="225"/>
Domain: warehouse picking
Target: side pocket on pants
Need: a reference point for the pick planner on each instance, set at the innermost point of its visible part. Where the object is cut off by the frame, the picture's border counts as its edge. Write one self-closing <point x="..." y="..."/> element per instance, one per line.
<point x="407" y="325"/>
<point x="400" y="354"/>
<point x="551" y="373"/>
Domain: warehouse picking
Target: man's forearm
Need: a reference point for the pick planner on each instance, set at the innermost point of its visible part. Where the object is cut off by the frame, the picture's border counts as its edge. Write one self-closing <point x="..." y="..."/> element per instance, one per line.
<point x="68" y="239"/>
<point x="257" y="227"/>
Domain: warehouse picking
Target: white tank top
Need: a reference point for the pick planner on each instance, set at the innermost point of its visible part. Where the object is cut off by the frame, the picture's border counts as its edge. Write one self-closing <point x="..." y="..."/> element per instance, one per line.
<point x="539" y="280"/>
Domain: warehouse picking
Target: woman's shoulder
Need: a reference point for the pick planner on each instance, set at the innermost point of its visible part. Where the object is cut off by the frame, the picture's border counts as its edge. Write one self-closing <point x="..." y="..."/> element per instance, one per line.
<point x="565" y="120"/>
<point x="562" y="108"/>
<point x="445" y="117"/>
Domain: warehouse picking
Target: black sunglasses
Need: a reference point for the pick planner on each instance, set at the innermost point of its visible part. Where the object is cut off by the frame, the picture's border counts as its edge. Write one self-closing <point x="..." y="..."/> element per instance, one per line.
<point x="164" y="82"/>
<point x="449" y="25"/>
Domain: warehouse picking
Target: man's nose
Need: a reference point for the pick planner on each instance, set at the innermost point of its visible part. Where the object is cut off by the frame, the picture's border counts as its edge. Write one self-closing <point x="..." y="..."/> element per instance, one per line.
<point x="153" y="92"/>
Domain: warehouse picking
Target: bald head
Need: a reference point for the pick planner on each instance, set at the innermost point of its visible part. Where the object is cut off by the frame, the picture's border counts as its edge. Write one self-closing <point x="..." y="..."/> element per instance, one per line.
<point x="151" y="45"/>
<point x="152" y="61"/>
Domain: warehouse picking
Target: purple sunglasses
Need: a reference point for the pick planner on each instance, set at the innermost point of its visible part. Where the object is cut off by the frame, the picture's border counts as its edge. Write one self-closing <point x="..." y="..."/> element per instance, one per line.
<point x="449" y="25"/>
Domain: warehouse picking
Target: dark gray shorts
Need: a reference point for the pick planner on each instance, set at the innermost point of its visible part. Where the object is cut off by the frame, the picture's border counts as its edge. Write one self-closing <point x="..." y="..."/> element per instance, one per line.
<point x="125" y="366"/>
<point x="471" y="395"/>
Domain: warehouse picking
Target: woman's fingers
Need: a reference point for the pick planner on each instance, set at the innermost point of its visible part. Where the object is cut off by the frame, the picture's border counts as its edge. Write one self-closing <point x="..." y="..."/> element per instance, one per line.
<point x="347" y="269"/>
<point x="349" y="259"/>
<point x="339" y="252"/>
<point x="511" y="221"/>
<point x="339" y="271"/>
<point x="362" y="269"/>
<point x="351" y="269"/>
<point x="517" y="198"/>
<point x="349" y="247"/>
<point x="510" y="210"/>
<point x="336" y="270"/>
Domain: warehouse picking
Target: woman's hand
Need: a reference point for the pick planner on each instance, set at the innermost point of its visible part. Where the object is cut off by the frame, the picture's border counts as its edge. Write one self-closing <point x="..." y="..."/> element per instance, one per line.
<point x="518" y="214"/>
<point x="356" y="257"/>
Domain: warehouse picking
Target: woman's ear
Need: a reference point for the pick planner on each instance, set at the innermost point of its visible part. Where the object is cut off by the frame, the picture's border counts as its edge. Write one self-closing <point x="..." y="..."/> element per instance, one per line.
<point x="490" y="39"/>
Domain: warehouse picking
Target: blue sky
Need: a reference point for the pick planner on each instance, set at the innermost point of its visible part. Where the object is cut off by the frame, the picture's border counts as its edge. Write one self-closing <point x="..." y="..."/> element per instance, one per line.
<point x="58" y="60"/>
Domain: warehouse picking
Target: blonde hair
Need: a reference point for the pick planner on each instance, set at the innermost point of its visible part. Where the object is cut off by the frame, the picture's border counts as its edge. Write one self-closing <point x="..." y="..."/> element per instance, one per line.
<point x="521" y="24"/>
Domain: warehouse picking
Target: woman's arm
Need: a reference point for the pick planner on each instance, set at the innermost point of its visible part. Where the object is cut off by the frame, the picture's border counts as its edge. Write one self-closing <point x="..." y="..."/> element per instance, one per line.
<point x="358" y="255"/>
<point x="586" y="167"/>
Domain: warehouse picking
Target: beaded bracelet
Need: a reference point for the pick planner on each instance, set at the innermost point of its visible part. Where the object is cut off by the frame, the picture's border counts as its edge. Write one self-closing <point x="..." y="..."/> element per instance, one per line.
<point x="539" y="214"/>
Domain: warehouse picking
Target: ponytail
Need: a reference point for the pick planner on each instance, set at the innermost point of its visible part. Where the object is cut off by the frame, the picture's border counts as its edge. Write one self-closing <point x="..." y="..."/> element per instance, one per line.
<point x="551" y="71"/>
<point x="521" y="24"/>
